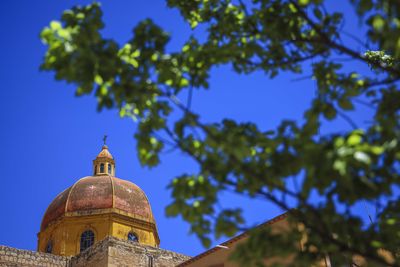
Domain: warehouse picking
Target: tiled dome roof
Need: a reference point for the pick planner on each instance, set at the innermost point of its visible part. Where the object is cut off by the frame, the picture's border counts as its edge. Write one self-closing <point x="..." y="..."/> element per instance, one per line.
<point x="93" y="193"/>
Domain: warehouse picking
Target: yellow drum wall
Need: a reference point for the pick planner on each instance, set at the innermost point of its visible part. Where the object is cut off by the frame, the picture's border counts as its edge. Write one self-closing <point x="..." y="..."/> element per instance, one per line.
<point x="65" y="233"/>
<point x="146" y="236"/>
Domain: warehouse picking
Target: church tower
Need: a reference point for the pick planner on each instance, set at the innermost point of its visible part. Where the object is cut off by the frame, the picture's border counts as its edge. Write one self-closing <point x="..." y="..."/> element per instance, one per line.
<point x="94" y="208"/>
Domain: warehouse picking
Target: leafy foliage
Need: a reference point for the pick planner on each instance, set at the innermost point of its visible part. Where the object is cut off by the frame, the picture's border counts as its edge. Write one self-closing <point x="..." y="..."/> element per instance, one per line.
<point x="144" y="81"/>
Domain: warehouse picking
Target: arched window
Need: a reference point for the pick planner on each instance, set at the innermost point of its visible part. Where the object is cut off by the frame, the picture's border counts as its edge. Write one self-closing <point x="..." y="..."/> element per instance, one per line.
<point x="87" y="240"/>
<point x="49" y="247"/>
<point x="102" y="168"/>
<point x="133" y="237"/>
<point x="109" y="168"/>
<point x="95" y="169"/>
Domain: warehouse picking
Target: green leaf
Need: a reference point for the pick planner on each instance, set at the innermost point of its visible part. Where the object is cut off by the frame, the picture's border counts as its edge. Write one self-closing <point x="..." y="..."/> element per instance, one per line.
<point x="184" y="82"/>
<point x="134" y="62"/>
<point x="330" y="112"/>
<point x="98" y="79"/>
<point x="136" y="53"/>
<point x="317" y="13"/>
<point x="377" y="150"/>
<point x="378" y="22"/>
<point x="376" y="244"/>
<point x="346" y="104"/>
<point x="304" y="2"/>
<point x="185" y="48"/>
<point x="193" y="24"/>
<point x="354" y="139"/>
<point x="55" y="25"/>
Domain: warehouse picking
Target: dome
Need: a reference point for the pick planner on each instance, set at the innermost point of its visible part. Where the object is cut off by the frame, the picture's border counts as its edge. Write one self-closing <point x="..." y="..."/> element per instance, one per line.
<point x="93" y="193"/>
<point x="96" y="207"/>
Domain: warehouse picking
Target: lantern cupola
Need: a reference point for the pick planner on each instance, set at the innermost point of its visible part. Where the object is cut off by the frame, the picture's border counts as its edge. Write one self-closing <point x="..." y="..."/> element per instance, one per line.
<point x="104" y="163"/>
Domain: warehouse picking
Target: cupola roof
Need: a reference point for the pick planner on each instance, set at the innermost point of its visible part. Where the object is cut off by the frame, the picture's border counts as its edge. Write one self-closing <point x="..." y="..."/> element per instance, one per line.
<point x="104" y="153"/>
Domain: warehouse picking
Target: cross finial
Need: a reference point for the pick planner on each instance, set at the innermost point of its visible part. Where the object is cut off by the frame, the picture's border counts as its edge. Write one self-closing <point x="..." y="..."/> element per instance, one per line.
<point x="105" y="139"/>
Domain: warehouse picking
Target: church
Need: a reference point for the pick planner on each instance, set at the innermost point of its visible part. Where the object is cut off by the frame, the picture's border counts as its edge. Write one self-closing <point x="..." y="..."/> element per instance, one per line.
<point x="102" y="220"/>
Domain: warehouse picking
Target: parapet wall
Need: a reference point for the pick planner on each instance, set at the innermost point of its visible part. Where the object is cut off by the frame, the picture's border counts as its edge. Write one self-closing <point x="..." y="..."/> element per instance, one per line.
<point x="115" y="252"/>
<point x="108" y="252"/>
<point x="12" y="257"/>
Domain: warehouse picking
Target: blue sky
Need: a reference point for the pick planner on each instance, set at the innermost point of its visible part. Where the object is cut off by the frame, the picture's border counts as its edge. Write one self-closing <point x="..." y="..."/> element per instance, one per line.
<point x="49" y="137"/>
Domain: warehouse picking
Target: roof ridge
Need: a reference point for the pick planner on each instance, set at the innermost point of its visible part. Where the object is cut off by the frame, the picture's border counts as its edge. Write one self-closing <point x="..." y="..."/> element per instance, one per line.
<point x="112" y="192"/>
<point x="235" y="238"/>
<point x="69" y="193"/>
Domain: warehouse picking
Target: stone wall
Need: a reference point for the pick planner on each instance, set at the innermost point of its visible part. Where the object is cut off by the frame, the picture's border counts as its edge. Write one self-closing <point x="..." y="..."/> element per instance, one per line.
<point x="12" y="257"/>
<point x="114" y="252"/>
<point x="110" y="252"/>
<point x="124" y="254"/>
<point x="97" y="255"/>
